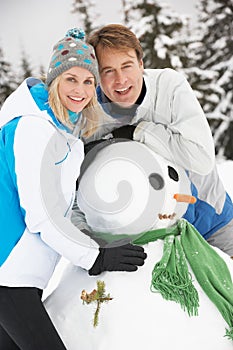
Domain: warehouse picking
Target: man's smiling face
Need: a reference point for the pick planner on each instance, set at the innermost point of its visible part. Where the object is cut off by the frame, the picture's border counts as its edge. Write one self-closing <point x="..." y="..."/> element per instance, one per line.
<point x="121" y="75"/>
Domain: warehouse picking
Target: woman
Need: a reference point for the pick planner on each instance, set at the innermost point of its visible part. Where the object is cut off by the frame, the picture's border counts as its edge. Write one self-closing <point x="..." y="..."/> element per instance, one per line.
<point x="40" y="157"/>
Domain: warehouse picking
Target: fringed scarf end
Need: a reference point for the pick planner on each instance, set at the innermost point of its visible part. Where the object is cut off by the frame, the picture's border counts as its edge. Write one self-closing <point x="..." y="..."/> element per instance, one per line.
<point x="175" y="288"/>
<point x="229" y="333"/>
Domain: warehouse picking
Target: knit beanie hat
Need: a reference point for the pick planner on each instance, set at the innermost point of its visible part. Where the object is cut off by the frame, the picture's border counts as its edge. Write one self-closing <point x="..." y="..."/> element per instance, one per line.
<point x="72" y="51"/>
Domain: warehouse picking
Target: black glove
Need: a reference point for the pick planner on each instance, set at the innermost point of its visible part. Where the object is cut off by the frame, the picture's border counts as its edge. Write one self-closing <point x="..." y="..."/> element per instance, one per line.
<point x="124" y="132"/>
<point x="124" y="258"/>
<point x="88" y="147"/>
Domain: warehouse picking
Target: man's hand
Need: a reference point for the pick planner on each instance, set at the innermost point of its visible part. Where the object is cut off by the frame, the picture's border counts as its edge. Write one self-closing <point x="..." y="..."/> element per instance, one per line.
<point x="124" y="132"/>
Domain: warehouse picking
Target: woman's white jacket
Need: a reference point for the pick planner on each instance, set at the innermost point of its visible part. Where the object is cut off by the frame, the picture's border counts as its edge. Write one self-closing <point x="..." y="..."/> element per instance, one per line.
<point x="40" y="162"/>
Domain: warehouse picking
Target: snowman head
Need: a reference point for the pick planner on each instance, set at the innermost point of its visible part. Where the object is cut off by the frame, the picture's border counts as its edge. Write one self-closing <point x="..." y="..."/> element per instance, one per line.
<point x="126" y="188"/>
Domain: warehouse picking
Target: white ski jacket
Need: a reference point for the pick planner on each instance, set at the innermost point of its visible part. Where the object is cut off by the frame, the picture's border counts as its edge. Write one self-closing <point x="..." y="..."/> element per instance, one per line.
<point x="40" y="161"/>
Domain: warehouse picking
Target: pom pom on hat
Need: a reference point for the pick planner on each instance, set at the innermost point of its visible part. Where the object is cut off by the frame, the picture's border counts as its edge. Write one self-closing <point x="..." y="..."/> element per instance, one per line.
<point x="76" y="33"/>
<point x="72" y="51"/>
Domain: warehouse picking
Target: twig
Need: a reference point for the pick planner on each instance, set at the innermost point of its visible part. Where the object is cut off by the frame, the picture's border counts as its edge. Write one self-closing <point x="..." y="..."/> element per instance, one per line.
<point x="97" y="296"/>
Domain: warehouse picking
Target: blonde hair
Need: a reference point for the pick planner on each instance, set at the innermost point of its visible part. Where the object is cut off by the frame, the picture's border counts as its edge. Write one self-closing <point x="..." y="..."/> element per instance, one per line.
<point x="92" y="114"/>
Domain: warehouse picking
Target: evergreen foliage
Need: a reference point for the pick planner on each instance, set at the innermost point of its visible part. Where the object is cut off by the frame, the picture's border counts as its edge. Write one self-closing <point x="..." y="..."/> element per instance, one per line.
<point x="160" y="30"/>
<point x="97" y="296"/>
<point x="87" y="13"/>
<point x="210" y="70"/>
<point x="26" y="69"/>
<point x="8" y="80"/>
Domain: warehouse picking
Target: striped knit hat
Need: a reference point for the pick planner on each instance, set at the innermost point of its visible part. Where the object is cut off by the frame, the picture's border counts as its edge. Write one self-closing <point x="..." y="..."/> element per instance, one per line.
<point x="72" y="51"/>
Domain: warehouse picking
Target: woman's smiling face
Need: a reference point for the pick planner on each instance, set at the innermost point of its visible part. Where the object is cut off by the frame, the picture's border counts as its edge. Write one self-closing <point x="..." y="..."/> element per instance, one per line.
<point x="76" y="88"/>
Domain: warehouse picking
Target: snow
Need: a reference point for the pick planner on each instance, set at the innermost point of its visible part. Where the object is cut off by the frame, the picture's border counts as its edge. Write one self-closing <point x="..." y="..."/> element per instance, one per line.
<point x="136" y="318"/>
<point x="151" y="320"/>
<point x="225" y="170"/>
<point x="175" y="60"/>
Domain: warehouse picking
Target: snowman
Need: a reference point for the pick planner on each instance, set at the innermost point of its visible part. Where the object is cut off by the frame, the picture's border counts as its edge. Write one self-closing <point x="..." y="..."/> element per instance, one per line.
<point x="125" y="190"/>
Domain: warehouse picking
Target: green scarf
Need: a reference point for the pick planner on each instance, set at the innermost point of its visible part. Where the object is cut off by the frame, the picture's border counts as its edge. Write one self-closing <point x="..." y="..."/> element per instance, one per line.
<point x="172" y="279"/>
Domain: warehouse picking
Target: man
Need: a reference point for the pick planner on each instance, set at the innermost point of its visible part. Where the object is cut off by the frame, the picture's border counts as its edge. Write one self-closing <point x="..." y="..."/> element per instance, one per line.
<point x="159" y="108"/>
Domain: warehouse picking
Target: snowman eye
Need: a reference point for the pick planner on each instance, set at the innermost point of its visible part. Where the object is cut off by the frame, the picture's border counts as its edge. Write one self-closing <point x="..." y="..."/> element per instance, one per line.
<point x="156" y="181"/>
<point x="173" y="174"/>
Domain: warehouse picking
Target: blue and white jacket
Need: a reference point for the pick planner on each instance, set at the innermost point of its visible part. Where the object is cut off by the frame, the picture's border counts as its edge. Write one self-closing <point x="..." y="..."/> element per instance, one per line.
<point x="39" y="161"/>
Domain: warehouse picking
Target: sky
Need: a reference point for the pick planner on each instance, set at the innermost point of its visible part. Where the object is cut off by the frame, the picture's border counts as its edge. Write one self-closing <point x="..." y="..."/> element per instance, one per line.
<point x="33" y="26"/>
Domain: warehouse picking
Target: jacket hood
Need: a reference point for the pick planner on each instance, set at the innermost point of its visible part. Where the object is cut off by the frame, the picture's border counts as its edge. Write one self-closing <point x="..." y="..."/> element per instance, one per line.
<point x="21" y="103"/>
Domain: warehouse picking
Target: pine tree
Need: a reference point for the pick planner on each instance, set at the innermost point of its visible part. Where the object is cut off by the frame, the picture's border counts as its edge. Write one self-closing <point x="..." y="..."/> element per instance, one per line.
<point x="8" y="79"/>
<point x="86" y="11"/>
<point x="213" y="75"/>
<point x="42" y="73"/>
<point x="26" y="69"/>
<point x="160" y="31"/>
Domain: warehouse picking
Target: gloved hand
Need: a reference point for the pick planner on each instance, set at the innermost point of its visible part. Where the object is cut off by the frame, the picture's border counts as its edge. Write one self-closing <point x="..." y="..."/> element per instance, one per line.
<point x="122" y="258"/>
<point x="124" y="132"/>
<point x="88" y="147"/>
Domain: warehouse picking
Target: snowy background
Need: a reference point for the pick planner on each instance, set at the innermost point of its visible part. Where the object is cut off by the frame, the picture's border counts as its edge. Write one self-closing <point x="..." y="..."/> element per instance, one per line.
<point x="34" y="26"/>
<point x="193" y="37"/>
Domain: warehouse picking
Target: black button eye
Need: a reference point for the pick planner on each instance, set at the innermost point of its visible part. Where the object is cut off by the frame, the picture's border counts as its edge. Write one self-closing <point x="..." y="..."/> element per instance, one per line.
<point x="156" y="181"/>
<point x="173" y="174"/>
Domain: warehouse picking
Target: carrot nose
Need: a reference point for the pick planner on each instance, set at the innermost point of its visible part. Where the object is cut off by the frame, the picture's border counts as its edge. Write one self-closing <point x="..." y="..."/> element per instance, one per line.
<point x="184" y="198"/>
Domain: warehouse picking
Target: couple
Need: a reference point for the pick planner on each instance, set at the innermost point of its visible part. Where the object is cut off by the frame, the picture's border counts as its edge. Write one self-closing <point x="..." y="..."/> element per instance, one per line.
<point x="43" y="129"/>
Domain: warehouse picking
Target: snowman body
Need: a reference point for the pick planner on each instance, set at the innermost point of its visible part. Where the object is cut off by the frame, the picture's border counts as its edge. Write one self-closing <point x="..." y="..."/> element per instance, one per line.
<point x="135" y="318"/>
